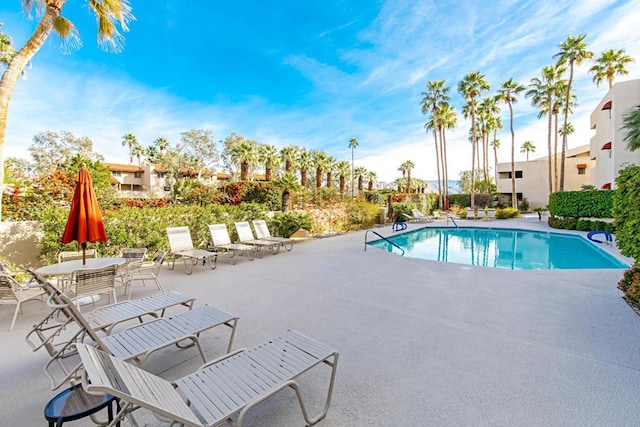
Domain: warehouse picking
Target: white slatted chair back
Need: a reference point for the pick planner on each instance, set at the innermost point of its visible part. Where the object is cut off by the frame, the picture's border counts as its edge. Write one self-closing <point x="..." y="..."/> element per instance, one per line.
<point x="179" y="239"/>
<point x="244" y="231"/>
<point x="219" y="234"/>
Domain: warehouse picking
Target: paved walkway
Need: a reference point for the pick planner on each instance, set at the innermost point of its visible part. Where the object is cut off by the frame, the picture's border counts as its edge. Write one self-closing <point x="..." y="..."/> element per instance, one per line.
<point x="421" y="342"/>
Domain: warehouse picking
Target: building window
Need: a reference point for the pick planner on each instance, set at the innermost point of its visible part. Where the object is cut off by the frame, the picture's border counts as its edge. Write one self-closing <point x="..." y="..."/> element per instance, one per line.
<point x="505" y="175"/>
<point x="160" y="174"/>
<point x="581" y="172"/>
<point x="137" y="174"/>
<point x="167" y="188"/>
<point x="116" y="173"/>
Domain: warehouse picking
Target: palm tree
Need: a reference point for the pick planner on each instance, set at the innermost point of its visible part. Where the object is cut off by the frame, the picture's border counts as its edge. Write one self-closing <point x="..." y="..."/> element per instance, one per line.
<point x="359" y="173"/>
<point x="631" y="123"/>
<point x="110" y="15"/>
<point x="289" y="155"/>
<point x="138" y="151"/>
<point x="544" y="93"/>
<point x="447" y="119"/>
<point x="495" y="144"/>
<point x="244" y="154"/>
<point x="353" y="144"/>
<point x="329" y="168"/>
<point x="572" y="52"/>
<point x="610" y="63"/>
<point x="304" y="163"/>
<point x="129" y="141"/>
<point x="470" y="87"/>
<point x="288" y="184"/>
<point x="408" y="166"/>
<point x="527" y="147"/>
<point x="507" y="93"/>
<point x="343" y="169"/>
<point x="268" y="155"/>
<point x="371" y="176"/>
<point x="431" y="101"/>
<point x="488" y="110"/>
<point x="161" y="144"/>
<point x="319" y="158"/>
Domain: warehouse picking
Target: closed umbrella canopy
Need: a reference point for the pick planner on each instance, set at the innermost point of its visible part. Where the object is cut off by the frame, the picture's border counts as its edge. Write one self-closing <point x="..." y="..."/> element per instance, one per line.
<point x="85" y="220"/>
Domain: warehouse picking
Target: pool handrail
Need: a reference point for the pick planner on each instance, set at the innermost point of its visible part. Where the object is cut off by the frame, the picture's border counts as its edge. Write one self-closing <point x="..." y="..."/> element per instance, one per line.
<point x="382" y="237"/>
<point x="449" y="217"/>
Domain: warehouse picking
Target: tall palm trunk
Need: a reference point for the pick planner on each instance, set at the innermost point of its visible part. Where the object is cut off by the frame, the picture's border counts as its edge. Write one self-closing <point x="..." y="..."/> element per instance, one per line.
<point x="473" y="157"/>
<point x="288" y="166"/>
<point x="303" y="178"/>
<point x="485" y="159"/>
<point x="318" y="177"/>
<point x="342" y="184"/>
<point x="555" y="152"/>
<point x="566" y="118"/>
<point x="549" y="126"/>
<point x="495" y="158"/>
<point x="435" y="137"/>
<point x="285" y="200"/>
<point x="445" y="167"/>
<point x="514" y="195"/>
<point x="267" y="174"/>
<point x="329" y="179"/>
<point x="14" y="71"/>
<point x="244" y="171"/>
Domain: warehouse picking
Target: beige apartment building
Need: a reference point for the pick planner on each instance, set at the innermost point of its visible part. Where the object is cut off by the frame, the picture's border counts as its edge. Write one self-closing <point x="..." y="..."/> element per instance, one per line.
<point x="149" y="180"/>
<point x="532" y="179"/>
<point x="608" y="148"/>
<point x="595" y="164"/>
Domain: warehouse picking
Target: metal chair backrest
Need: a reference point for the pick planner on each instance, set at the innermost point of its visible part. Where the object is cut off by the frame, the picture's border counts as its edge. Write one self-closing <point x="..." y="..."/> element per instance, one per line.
<point x="75" y="255"/>
<point x="132" y="255"/>
<point x="94" y="281"/>
<point x="219" y="234"/>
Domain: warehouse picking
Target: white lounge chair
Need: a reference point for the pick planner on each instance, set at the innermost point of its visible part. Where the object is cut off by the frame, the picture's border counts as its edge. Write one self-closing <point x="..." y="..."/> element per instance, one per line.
<point x="221" y="241"/>
<point x="245" y="235"/>
<point x="262" y="232"/>
<point x="136" y="343"/>
<point x="218" y="392"/>
<point x="182" y="247"/>
<point x="418" y="216"/>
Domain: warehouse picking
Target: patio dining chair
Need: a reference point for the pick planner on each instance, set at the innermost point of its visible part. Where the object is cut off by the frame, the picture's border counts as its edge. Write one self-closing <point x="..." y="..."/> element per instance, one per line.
<point x="137" y="343"/>
<point x="263" y="233"/>
<point x="92" y="282"/>
<point x="14" y="293"/>
<point x="221" y="241"/>
<point x="182" y="247"/>
<point x="219" y="391"/>
<point x="133" y="258"/>
<point x="145" y="271"/>
<point x="245" y="235"/>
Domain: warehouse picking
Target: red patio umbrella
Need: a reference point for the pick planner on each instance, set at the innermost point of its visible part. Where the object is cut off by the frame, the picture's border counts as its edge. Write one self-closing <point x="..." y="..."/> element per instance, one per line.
<point x="85" y="220"/>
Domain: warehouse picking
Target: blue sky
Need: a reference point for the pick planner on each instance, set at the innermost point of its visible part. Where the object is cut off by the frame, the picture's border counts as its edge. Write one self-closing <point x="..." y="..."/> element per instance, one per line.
<point x="312" y="74"/>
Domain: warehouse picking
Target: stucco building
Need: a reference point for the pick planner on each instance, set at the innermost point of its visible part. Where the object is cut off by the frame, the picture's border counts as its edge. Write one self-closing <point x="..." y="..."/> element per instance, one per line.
<point x="608" y="148"/>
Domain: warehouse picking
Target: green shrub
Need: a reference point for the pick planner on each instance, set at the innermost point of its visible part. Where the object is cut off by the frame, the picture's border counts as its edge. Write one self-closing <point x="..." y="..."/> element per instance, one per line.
<point x="566" y="223"/>
<point x="626" y="211"/>
<point x="582" y="204"/>
<point x="630" y="285"/>
<point x="507" y="213"/>
<point x="285" y="224"/>
<point x="463" y="200"/>
<point x="375" y="197"/>
<point x="362" y="214"/>
<point x="462" y="213"/>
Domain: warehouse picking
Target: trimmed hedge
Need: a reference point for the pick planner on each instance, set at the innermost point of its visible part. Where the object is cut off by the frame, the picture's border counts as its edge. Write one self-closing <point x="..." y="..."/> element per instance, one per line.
<point x="626" y="208"/>
<point x="582" y="204"/>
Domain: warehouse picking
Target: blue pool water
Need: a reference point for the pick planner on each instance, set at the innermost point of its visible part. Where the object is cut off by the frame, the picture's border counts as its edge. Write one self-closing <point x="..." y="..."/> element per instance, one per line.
<point x="501" y="248"/>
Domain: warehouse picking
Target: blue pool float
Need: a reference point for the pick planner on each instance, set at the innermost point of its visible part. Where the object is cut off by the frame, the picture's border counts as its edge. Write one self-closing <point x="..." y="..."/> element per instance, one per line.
<point x="607" y="236"/>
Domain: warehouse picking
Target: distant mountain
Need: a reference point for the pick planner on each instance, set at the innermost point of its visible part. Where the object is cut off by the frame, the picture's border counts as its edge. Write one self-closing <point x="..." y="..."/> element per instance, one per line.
<point x="453" y="187"/>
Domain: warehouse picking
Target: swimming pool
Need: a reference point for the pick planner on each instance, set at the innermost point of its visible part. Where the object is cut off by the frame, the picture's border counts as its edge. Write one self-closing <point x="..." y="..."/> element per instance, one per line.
<point x="501" y="248"/>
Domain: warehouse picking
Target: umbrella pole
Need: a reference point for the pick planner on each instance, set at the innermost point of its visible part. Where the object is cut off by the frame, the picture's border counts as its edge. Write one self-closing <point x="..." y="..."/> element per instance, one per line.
<point x="84" y="254"/>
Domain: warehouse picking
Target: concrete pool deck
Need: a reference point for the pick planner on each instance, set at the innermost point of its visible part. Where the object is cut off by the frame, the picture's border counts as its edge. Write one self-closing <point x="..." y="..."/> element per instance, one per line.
<point x="420" y="342"/>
